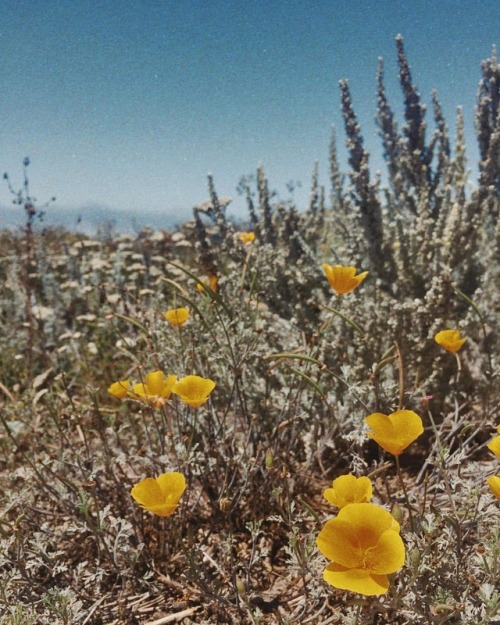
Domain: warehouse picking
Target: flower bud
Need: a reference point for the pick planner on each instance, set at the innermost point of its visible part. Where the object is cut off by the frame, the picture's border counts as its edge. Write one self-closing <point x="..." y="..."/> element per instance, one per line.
<point x="415" y="559"/>
<point x="397" y="513"/>
<point x="269" y="460"/>
<point x="240" y="586"/>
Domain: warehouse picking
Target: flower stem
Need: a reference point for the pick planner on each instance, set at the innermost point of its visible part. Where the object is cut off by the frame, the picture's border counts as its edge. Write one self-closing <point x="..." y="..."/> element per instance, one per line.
<point x="459" y="367"/>
<point x="347" y="319"/>
<point x="400" y="476"/>
<point x="401" y="379"/>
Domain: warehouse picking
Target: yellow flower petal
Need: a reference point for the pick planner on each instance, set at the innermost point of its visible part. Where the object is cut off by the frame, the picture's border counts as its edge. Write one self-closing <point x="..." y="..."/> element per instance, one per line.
<point x="494" y="484"/>
<point x="356" y="580"/>
<point x="396" y="431"/>
<point x="364" y="544"/>
<point x="348" y="489"/>
<point x="494" y="446"/>
<point x="119" y="389"/>
<point x="356" y="530"/>
<point x="154" y="383"/>
<point x="337" y="542"/>
<point x="211" y="282"/>
<point x="343" y="280"/>
<point x="388" y="555"/>
<point x="193" y="390"/>
<point x="172" y="485"/>
<point x="139" y="391"/>
<point x="155" y="389"/>
<point x="161" y="495"/>
<point x="451" y="340"/>
<point x="247" y="237"/>
<point x="177" y="316"/>
<point x="368" y="520"/>
<point x="147" y="493"/>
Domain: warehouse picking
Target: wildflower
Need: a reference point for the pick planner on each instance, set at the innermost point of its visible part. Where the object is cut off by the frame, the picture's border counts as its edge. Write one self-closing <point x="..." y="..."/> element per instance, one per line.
<point x="450" y="340"/>
<point x="119" y="389"/>
<point x="343" y="279"/>
<point x="177" y="316"/>
<point x="160" y="495"/>
<point x="396" y="431"/>
<point x="212" y="281"/>
<point x="193" y="390"/>
<point x="364" y="546"/>
<point x="348" y="489"/>
<point x="247" y="237"/>
<point x="494" y="484"/>
<point x="494" y="444"/>
<point x="155" y="390"/>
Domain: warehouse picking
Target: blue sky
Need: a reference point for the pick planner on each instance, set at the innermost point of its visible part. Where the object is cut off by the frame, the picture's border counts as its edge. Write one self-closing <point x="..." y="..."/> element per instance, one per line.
<point x="130" y="104"/>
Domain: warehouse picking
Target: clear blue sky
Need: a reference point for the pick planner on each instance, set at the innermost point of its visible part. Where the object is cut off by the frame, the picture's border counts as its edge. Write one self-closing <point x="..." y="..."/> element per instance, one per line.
<point x="130" y="104"/>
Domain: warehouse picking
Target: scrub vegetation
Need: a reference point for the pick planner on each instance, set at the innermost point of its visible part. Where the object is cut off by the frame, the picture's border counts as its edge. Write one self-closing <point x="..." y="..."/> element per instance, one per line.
<point x="292" y="420"/>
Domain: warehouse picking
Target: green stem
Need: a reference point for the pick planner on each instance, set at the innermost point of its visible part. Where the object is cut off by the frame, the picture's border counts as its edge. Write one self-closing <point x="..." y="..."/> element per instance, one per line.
<point x="347" y="319"/>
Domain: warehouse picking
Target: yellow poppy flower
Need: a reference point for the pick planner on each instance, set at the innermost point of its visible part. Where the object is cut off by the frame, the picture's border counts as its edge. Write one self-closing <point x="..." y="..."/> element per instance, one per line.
<point x="450" y="340"/>
<point x="348" y="489"/>
<point x="494" y="444"/>
<point x="212" y="282"/>
<point x="247" y="237"/>
<point x="396" y="431"/>
<point x="343" y="279"/>
<point x="177" y="316"/>
<point x="160" y="495"/>
<point x="155" y="390"/>
<point x="364" y="547"/>
<point x="193" y="390"/>
<point x="119" y="389"/>
<point x="494" y="484"/>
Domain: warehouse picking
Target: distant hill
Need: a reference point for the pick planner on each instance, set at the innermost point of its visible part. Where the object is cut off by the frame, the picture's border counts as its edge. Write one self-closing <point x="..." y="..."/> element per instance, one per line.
<point x="88" y="219"/>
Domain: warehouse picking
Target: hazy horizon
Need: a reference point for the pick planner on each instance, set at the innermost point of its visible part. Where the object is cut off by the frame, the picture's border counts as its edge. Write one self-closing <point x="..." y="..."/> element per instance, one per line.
<point x="130" y="106"/>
